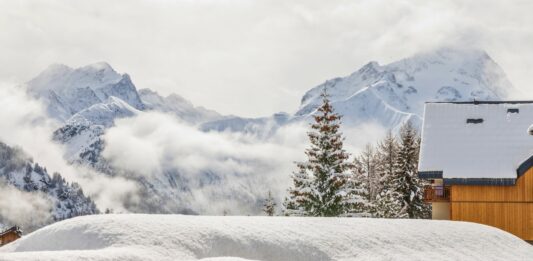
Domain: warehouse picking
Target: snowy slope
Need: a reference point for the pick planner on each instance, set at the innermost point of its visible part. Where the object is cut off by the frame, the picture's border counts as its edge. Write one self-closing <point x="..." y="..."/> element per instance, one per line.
<point x="103" y="113"/>
<point x="82" y="132"/>
<point x="174" y="237"/>
<point x="19" y="171"/>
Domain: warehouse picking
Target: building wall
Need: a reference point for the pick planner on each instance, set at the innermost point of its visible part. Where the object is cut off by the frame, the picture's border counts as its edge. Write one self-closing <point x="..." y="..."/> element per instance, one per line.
<point x="9" y="237"/>
<point x="506" y="207"/>
<point x="440" y="210"/>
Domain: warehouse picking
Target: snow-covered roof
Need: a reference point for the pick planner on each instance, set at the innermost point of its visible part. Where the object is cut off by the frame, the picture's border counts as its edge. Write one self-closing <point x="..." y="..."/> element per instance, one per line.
<point x="476" y="142"/>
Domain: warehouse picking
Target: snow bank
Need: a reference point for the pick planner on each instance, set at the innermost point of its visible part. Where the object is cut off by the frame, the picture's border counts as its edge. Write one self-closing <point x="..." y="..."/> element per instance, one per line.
<point x="176" y="237"/>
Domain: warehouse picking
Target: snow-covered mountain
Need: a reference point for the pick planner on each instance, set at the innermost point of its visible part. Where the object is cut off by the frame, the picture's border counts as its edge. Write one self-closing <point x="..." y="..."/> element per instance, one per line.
<point x="385" y="94"/>
<point x="394" y="93"/>
<point x="19" y="171"/>
<point x="89" y="99"/>
<point x="82" y="132"/>
<point x="74" y="94"/>
<point x="67" y="91"/>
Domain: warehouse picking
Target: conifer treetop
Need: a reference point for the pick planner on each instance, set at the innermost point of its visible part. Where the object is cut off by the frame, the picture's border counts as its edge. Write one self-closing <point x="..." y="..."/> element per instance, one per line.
<point x="320" y="184"/>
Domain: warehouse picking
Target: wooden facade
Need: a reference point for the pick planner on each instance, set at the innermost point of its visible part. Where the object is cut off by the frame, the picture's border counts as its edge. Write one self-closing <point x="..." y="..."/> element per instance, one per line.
<point x="506" y="207"/>
<point x="9" y="235"/>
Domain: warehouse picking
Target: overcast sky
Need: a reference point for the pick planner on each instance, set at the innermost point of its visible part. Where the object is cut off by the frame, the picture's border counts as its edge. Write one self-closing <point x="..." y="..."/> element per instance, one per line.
<point x="253" y="58"/>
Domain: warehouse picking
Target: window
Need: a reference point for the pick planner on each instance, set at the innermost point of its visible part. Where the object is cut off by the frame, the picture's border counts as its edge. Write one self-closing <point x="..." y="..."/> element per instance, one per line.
<point x="474" y="121"/>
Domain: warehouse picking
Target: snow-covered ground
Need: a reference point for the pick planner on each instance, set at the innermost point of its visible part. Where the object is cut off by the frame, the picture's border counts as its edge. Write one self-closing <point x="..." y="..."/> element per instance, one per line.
<point x="177" y="237"/>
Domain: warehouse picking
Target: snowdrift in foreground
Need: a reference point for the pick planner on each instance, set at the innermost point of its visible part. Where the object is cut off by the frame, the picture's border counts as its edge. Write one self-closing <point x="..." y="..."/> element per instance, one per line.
<point x="176" y="237"/>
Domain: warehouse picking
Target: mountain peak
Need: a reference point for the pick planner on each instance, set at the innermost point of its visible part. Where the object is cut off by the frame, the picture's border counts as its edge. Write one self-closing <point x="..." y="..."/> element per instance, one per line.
<point x="445" y="51"/>
<point x="67" y="91"/>
<point x="369" y="68"/>
<point x="395" y="92"/>
<point x="57" y="68"/>
<point x="59" y="77"/>
<point x="99" y="66"/>
<point x="452" y="56"/>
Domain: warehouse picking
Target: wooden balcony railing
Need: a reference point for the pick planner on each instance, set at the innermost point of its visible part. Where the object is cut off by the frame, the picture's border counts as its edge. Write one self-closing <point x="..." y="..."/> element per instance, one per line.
<point x="436" y="193"/>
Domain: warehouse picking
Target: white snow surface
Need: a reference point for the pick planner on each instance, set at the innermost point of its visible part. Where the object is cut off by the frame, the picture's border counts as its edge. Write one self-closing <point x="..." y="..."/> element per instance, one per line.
<point x="104" y="113"/>
<point x="177" y="237"/>
<point x="491" y="149"/>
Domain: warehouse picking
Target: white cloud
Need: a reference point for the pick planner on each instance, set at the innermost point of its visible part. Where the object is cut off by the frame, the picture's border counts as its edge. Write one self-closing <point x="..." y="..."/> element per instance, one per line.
<point x="24" y="124"/>
<point x="242" y="167"/>
<point x="25" y="209"/>
<point x="218" y="52"/>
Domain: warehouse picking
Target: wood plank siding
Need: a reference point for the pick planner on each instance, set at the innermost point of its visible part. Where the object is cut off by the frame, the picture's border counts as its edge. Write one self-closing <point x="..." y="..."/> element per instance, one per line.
<point x="9" y="235"/>
<point x="506" y="207"/>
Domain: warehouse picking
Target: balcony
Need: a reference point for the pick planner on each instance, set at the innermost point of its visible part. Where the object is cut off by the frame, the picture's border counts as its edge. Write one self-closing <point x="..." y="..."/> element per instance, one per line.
<point x="437" y="193"/>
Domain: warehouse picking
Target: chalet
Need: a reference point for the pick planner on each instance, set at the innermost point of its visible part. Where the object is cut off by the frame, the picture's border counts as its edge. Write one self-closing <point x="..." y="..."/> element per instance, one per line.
<point x="479" y="159"/>
<point x="10" y="235"/>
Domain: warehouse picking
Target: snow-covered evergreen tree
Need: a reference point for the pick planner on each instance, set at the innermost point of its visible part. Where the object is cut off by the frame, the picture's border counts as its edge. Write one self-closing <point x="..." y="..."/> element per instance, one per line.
<point x="298" y="203"/>
<point x="361" y="204"/>
<point x="388" y="200"/>
<point x="410" y="186"/>
<point x="402" y="192"/>
<point x="269" y="207"/>
<point x="368" y="166"/>
<point x="389" y="203"/>
<point x="387" y="153"/>
<point x="321" y="184"/>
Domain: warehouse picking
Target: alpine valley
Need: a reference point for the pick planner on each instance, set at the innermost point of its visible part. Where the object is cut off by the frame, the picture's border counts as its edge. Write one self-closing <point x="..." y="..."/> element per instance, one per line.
<point x="90" y="99"/>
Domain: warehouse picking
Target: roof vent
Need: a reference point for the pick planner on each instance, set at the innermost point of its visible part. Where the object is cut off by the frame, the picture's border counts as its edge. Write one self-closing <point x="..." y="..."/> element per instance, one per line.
<point x="512" y="110"/>
<point x="474" y="121"/>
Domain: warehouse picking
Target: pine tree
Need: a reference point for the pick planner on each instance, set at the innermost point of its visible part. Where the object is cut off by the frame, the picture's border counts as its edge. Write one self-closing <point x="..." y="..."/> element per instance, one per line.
<point x="368" y="167"/>
<point x="387" y="154"/>
<point x="361" y="204"/>
<point x="269" y="205"/>
<point x="388" y="199"/>
<point x="389" y="202"/>
<point x="406" y="166"/>
<point x="299" y="201"/>
<point x="321" y="184"/>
